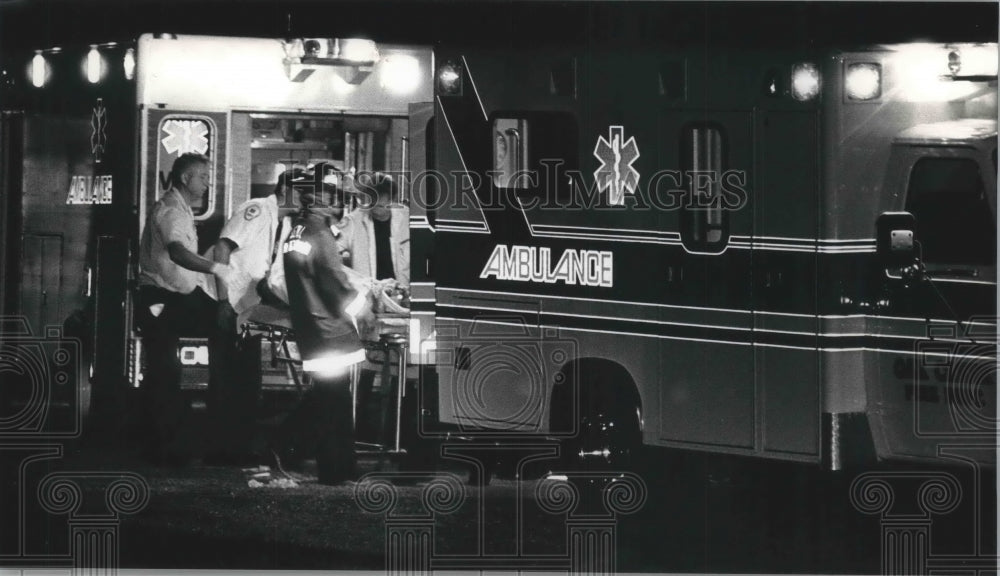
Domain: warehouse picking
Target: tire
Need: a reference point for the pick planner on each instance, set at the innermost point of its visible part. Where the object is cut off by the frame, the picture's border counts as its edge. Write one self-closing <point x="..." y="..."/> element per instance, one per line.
<point x="608" y="431"/>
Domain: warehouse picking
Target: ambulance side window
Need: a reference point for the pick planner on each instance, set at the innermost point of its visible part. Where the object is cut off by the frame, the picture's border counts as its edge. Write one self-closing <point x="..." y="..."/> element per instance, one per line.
<point x="704" y="222"/>
<point x="955" y="224"/>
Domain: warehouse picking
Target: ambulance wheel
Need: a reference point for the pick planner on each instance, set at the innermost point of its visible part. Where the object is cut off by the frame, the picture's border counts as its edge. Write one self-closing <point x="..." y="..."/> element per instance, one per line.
<point x="608" y="435"/>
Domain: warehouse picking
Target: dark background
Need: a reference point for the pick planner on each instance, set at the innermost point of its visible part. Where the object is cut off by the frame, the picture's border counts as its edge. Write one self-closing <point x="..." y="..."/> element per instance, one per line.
<point x="37" y="24"/>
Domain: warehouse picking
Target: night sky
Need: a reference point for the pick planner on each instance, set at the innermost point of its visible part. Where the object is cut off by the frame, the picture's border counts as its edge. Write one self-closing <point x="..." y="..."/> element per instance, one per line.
<point x="40" y="24"/>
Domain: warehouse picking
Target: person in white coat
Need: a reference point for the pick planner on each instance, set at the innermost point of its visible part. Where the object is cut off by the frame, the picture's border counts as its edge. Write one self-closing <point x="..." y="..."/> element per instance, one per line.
<point x="377" y="235"/>
<point x="246" y="244"/>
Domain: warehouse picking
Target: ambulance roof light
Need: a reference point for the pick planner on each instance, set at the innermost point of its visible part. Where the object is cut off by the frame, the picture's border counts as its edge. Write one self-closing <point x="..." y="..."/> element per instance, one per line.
<point x="128" y="63"/>
<point x="805" y="81"/>
<point x="449" y="79"/>
<point x="358" y="50"/>
<point x="39" y="71"/>
<point x="93" y="65"/>
<point x="863" y="81"/>
<point x="400" y="73"/>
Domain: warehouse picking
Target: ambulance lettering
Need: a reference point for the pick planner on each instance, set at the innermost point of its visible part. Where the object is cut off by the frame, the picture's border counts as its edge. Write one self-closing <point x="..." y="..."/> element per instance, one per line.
<point x="89" y="190"/>
<point x="533" y="264"/>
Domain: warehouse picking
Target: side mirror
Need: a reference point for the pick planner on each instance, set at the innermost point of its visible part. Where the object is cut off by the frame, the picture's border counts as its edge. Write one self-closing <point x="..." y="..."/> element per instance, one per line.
<point x="895" y="240"/>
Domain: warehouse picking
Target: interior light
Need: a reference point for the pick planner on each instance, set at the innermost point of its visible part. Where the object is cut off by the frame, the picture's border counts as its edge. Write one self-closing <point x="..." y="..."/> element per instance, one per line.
<point x="129" y="63"/>
<point x="38" y="70"/>
<point x="400" y="73"/>
<point x="93" y="65"/>
<point x="449" y="79"/>
<point x="864" y="81"/>
<point x="805" y="81"/>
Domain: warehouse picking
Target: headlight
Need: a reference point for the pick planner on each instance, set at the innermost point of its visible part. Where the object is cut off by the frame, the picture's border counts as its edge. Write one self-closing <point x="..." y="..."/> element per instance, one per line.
<point x="805" y="81"/>
<point x="864" y="81"/>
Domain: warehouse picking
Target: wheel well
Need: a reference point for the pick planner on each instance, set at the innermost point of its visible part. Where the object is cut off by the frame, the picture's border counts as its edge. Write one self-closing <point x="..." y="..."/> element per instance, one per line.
<point x="588" y="384"/>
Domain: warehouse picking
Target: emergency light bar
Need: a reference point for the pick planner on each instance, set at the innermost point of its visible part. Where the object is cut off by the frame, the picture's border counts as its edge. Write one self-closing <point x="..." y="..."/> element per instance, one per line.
<point x="352" y="58"/>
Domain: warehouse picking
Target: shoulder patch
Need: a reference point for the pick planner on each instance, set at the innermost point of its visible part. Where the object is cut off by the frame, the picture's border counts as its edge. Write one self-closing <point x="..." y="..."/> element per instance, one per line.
<point x="251" y="212"/>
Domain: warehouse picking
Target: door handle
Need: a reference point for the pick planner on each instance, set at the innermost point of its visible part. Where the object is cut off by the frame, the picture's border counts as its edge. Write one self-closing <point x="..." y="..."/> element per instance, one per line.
<point x="405" y="163"/>
<point x="515" y="135"/>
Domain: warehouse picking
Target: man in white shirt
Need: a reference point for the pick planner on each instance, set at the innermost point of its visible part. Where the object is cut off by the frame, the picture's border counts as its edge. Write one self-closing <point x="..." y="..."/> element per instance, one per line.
<point x="173" y="299"/>
<point x="247" y="244"/>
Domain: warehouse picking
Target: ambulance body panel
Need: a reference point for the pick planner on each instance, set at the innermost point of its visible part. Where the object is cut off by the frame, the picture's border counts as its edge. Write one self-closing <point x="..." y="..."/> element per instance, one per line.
<point x="766" y="327"/>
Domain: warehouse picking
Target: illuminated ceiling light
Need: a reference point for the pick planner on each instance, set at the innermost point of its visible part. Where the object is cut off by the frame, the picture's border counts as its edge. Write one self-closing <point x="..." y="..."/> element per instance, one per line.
<point x="400" y="73"/>
<point x="449" y="79"/>
<point x="805" y="82"/>
<point x="863" y="81"/>
<point x="93" y="65"/>
<point x="129" y="63"/>
<point x="38" y="70"/>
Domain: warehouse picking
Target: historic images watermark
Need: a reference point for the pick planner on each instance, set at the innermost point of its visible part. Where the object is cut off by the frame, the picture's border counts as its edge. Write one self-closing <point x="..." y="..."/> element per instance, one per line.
<point x="554" y="188"/>
<point x="45" y="396"/>
<point x="950" y="391"/>
<point x="518" y="404"/>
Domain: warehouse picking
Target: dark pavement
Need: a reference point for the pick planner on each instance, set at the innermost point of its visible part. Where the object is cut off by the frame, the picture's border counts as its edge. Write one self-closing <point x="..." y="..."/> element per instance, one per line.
<point x="700" y="514"/>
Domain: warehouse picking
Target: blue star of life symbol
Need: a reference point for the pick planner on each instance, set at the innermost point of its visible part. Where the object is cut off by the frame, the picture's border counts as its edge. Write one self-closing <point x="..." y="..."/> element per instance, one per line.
<point x="616" y="176"/>
<point x="98" y="125"/>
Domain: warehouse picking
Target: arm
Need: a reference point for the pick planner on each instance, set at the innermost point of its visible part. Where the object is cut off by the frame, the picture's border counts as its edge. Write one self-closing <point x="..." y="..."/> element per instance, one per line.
<point x="339" y="293"/>
<point x="223" y="248"/>
<point x="188" y="259"/>
<point x="170" y="224"/>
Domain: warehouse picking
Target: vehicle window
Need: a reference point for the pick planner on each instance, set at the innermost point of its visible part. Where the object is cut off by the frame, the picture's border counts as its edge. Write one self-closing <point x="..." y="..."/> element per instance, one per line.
<point x="955" y="224"/>
<point x="704" y="223"/>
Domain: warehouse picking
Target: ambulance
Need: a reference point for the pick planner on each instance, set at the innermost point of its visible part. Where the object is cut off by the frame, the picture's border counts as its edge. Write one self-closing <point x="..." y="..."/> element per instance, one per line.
<point x="90" y="135"/>
<point x="783" y="254"/>
<point x="776" y="254"/>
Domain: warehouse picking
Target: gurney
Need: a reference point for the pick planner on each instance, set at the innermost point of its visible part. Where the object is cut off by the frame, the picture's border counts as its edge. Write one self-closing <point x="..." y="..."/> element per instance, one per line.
<point x="386" y="352"/>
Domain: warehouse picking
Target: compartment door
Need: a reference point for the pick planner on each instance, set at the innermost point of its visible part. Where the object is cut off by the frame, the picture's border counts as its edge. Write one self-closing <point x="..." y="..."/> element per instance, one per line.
<point x="785" y="252"/>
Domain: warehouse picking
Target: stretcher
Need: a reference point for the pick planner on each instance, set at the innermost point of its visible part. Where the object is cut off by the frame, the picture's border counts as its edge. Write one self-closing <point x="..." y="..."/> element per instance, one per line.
<point x="386" y="351"/>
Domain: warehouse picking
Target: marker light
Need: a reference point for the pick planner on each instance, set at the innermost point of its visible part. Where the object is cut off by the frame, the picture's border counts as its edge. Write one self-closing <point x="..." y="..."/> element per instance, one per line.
<point x="400" y="73"/>
<point x="864" y="81"/>
<point x="805" y="82"/>
<point x="38" y="70"/>
<point x="129" y="63"/>
<point x="449" y="79"/>
<point x="93" y="65"/>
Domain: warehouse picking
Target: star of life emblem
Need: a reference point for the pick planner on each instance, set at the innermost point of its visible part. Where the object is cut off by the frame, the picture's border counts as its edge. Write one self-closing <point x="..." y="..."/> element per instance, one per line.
<point x="183" y="136"/>
<point x="616" y="176"/>
<point x="98" y="135"/>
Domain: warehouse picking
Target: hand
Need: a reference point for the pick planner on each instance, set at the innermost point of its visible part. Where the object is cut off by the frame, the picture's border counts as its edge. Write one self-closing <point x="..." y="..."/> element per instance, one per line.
<point x="226" y="273"/>
<point x="366" y="321"/>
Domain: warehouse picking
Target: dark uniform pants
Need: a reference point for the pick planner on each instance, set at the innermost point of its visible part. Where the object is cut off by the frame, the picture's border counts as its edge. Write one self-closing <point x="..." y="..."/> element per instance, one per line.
<point x="182" y="315"/>
<point x="234" y="385"/>
<point x="322" y="422"/>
